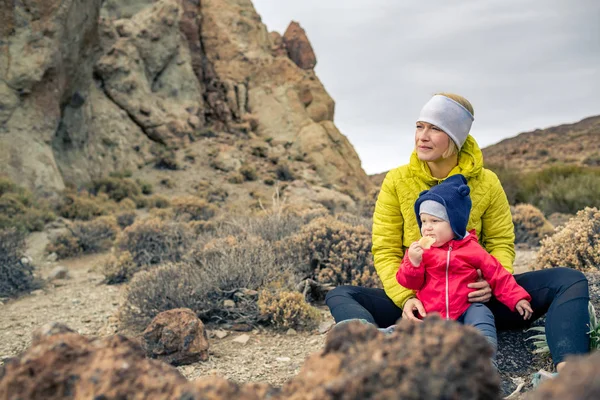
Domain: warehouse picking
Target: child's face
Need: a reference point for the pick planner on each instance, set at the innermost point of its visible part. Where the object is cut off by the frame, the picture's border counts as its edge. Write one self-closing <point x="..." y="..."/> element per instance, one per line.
<point x="436" y="228"/>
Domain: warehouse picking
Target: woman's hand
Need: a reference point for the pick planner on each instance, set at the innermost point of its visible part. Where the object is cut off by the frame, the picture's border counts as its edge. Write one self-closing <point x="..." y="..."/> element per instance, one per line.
<point x="524" y="308"/>
<point x="415" y="254"/>
<point x="412" y="305"/>
<point x="483" y="292"/>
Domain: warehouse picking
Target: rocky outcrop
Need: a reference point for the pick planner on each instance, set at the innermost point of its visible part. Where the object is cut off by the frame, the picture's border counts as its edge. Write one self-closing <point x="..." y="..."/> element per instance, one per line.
<point x="46" y="60"/>
<point x="176" y="337"/>
<point x="298" y="47"/>
<point x="89" y="87"/>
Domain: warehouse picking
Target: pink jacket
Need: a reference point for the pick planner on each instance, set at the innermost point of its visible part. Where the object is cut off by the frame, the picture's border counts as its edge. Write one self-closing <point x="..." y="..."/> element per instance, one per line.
<point x="442" y="278"/>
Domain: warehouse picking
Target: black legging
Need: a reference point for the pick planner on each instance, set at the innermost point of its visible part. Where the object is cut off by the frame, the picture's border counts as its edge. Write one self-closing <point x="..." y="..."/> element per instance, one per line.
<point x="562" y="293"/>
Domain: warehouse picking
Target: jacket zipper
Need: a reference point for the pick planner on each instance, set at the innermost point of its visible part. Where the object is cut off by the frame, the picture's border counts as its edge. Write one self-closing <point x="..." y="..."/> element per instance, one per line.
<point x="447" y="294"/>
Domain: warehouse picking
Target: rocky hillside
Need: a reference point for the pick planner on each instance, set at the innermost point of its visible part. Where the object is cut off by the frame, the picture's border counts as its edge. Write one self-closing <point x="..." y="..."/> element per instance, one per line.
<point x="572" y="144"/>
<point x="190" y="95"/>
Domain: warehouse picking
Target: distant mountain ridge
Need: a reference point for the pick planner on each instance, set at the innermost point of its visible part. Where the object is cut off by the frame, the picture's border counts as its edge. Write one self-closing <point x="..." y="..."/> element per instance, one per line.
<point x="567" y="144"/>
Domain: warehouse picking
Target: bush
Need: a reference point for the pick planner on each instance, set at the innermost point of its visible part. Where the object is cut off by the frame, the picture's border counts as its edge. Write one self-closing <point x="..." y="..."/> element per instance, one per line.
<point x="192" y="208"/>
<point x="562" y="188"/>
<point x="15" y="213"/>
<point x="284" y="173"/>
<point x="333" y="253"/>
<point x="576" y="245"/>
<point x="126" y="219"/>
<point x="224" y="270"/>
<point x="570" y="194"/>
<point x="119" y="268"/>
<point x="287" y="310"/>
<point x="158" y="201"/>
<point x="270" y="227"/>
<point x="153" y="241"/>
<point x="530" y="224"/>
<point x="15" y="276"/>
<point x="145" y="187"/>
<point x="84" y="206"/>
<point x="248" y="172"/>
<point x="85" y="238"/>
<point x="116" y="188"/>
<point x="19" y="210"/>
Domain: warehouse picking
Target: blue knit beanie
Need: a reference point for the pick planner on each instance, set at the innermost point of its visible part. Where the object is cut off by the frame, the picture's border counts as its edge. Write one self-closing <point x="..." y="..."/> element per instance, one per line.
<point x="453" y="195"/>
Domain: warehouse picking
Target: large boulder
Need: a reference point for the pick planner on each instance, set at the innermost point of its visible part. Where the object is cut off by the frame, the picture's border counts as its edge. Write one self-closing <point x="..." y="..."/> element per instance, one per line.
<point x="436" y="359"/>
<point x="176" y="337"/>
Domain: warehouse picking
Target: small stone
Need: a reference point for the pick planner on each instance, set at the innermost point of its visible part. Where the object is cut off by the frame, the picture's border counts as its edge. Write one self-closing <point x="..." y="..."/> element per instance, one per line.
<point x="52" y="257"/>
<point x="242" y="339"/>
<point x="37" y="292"/>
<point x="221" y="334"/>
<point x="324" y="327"/>
<point x="59" y="272"/>
<point x="76" y="301"/>
<point x="25" y="260"/>
<point x="249" y="292"/>
<point x="229" y="304"/>
<point x="144" y="110"/>
<point x="283" y="359"/>
<point x="291" y="332"/>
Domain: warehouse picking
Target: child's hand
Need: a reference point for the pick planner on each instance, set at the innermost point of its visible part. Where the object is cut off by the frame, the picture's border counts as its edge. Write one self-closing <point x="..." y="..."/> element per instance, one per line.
<point x="415" y="254"/>
<point x="524" y="308"/>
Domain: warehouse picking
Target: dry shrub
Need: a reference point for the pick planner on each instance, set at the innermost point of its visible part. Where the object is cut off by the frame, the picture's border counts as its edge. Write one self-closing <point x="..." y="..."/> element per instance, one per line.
<point x="84" y="206"/>
<point x="192" y="208"/>
<point x="20" y="210"/>
<point x="85" y="237"/>
<point x="116" y="188"/>
<point x="153" y="241"/>
<point x="226" y="270"/>
<point x="166" y="214"/>
<point x="126" y="219"/>
<point x="157" y="201"/>
<point x="576" y="245"/>
<point x="15" y="276"/>
<point x="333" y="252"/>
<point x="127" y="204"/>
<point x="286" y="309"/>
<point x="530" y="224"/>
<point x="119" y="268"/>
<point x="271" y="227"/>
<point x="201" y="227"/>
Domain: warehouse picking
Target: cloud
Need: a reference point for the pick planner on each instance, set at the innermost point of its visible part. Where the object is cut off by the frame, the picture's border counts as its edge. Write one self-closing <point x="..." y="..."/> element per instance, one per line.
<point x="524" y="64"/>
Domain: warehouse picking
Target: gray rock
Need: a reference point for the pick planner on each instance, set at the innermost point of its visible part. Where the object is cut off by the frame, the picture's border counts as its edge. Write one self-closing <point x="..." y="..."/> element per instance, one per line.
<point x="242" y="339"/>
<point x="52" y="257"/>
<point x="59" y="272"/>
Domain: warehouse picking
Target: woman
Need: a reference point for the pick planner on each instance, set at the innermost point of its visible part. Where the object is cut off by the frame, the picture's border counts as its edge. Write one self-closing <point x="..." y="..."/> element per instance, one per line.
<point x="443" y="147"/>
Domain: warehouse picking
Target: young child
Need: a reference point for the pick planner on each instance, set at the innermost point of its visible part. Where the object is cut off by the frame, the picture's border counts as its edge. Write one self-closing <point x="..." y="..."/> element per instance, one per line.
<point x="440" y="273"/>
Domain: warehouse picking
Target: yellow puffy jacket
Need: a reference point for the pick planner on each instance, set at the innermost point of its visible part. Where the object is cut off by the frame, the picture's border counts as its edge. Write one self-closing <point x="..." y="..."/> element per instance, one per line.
<point x="395" y="224"/>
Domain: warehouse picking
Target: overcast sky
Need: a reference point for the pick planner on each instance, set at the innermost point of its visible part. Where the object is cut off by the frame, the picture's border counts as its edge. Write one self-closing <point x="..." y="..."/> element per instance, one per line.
<point x="523" y="64"/>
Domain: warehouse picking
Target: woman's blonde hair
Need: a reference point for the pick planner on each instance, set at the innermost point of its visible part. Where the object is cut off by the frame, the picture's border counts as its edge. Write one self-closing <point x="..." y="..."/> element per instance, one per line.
<point x="452" y="147"/>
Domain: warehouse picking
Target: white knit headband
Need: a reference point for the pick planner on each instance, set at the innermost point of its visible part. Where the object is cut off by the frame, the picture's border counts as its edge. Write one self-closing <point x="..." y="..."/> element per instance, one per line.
<point x="449" y="116"/>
